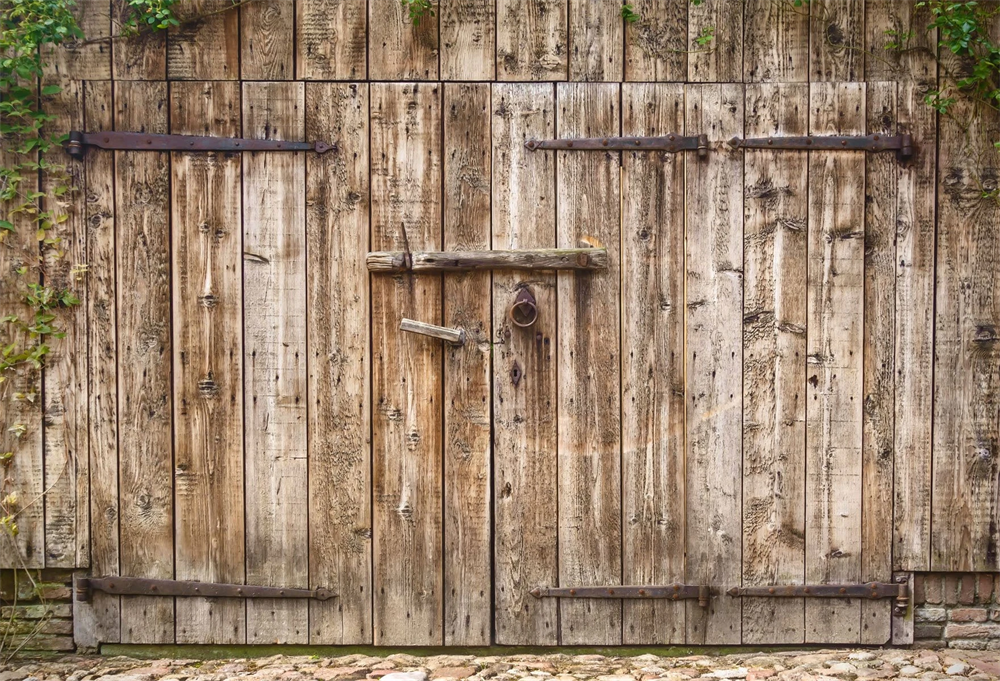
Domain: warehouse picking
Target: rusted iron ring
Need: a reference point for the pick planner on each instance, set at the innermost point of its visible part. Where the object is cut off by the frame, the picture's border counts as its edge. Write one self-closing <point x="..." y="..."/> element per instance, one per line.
<point x="524" y="311"/>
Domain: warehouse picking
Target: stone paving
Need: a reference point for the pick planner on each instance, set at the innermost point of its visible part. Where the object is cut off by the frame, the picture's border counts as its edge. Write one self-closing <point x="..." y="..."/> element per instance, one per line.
<point x="833" y="665"/>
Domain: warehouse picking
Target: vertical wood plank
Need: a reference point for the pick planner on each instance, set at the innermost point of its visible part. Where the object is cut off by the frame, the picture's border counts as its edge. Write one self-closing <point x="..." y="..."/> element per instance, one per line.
<point x="398" y="49"/>
<point x="89" y="57"/>
<point x="596" y="39"/>
<point x="879" y="361"/>
<point x="406" y="376"/>
<point x="835" y="362"/>
<point x="208" y="360"/>
<point x="774" y="362"/>
<point x="142" y="226"/>
<point x="589" y="397"/>
<point x="274" y="354"/>
<point x="966" y="517"/>
<point x="532" y="39"/>
<point x="138" y="58"/>
<point x="836" y="40"/>
<point x="721" y="59"/>
<point x="100" y="620"/>
<point x="206" y="49"/>
<point x="891" y="22"/>
<point x="267" y="40"/>
<point x="339" y="390"/>
<point x="468" y="39"/>
<point x="331" y="39"/>
<point x="915" y="271"/>
<point x="524" y="437"/>
<point x="652" y="364"/>
<point x="468" y="574"/>
<point x="656" y="44"/>
<point x="714" y="270"/>
<point x="64" y="379"/>
<point x="777" y="42"/>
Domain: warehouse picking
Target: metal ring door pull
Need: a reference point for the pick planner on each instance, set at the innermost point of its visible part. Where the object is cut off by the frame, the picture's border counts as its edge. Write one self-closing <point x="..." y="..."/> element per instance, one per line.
<point x="524" y="311"/>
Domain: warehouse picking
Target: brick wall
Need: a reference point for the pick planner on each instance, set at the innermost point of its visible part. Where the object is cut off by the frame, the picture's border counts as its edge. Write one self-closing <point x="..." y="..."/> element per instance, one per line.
<point x="957" y="610"/>
<point x="36" y="615"/>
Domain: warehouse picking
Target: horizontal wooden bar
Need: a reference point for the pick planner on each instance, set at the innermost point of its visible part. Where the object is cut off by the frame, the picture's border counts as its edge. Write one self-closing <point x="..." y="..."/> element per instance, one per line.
<point x="457" y="261"/>
<point x="453" y="336"/>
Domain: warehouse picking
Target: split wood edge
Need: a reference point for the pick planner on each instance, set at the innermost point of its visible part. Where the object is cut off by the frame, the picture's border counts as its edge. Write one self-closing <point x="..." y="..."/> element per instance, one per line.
<point x="457" y="261"/>
<point x="453" y="336"/>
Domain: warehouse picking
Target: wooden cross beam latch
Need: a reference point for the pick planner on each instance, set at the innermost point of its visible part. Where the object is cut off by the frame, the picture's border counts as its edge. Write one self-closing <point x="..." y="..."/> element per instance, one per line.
<point x="138" y="586"/>
<point x="77" y="142"/>
<point x="899" y="591"/>
<point x="673" y="592"/>
<point x="671" y="143"/>
<point x="901" y="144"/>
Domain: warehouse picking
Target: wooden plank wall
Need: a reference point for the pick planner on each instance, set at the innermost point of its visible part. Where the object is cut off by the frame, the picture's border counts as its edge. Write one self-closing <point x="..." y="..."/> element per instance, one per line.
<point x="788" y="374"/>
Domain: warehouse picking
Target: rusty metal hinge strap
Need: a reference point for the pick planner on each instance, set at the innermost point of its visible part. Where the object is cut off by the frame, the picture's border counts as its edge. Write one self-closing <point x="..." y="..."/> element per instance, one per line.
<point x="674" y="592"/>
<point x="670" y="143"/>
<point x="870" y="591"/>
<point x="138" y="586"/>
<point x="140" y="141"/>
<point x="901" y="144"/>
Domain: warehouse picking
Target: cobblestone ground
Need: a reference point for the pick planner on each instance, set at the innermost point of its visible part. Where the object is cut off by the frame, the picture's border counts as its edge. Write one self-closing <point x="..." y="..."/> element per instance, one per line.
<point x="838" y="665"/>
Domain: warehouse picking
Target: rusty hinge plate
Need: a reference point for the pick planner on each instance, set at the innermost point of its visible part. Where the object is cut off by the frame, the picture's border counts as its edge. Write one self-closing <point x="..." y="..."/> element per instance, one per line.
<point x="901" y="144"/>
<point x="670" y="143"/>
<point x="138" y="586"/>
<point x="869" y="591"/>
<point x="139" y="141"/>
<point x="674" y="592"/>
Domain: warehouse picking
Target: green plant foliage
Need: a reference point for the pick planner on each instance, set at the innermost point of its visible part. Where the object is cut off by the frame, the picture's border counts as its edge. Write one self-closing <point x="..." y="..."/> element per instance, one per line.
<point x="629" y="14"/>
<point x="155" y="14"/>
<point x="418" y="9"/>
<point x="706" y="36"/>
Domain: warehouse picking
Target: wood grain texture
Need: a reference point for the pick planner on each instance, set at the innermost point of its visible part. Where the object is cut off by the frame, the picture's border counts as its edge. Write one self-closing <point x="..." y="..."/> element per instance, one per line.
<point x="89" y="57"/>
<point x="139" y="58"/>
<point x="100" y="620"/>
<point x="331" y="39"/>
<point x="468" y="39"/>
<point x="339" y="344"/>
<point x="836" y="40"/>
<point x="146" y="481"/>
<point x="64" y="379"/>
<point x="879" y="350"/>
<point x="914" y="352"/>
<point x="652" y="392"/>
<point x="532" y="39"/>
<point x="274" y="354"/>
<point x="468" y="479"/>
<point x="721" y="59"/>
<point x="595" y="41"/>
<point x="904" y="25"/>
<point x="524" y="426"/>
<point x="656" y="44"/>
<point x="267" y="40"/>
<point x="589" y="397"/>
<point x="714" y="272"/>
<point x="965" y="523"/>
<point x="776" y="47"/>
<point x="835" y="362"/>
<point x="465" y="261"/>
<point x="398" y="49"/>
<point x="774" y="362"/>
<point x="206" y="48"/>
<point x="208" y="361"/>
<point x="407" y="372"/>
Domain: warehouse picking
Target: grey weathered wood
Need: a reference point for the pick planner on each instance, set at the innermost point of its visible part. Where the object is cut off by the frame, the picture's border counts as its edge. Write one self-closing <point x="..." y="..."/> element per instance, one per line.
<point x="774" y="363"/>
<point x="881" y="177"/>
<point x="398" y="50"/>
<point x="468" y="479"/>
<point x="589" y="397"/>
<point x="836" y="40"/>
<point x="656" y="44"/>
<point x="902" y="624"/>
<point x="453" y="336"/>
<point x="524" y="424"/>
<point x="90" y="57"/>
<point x="457" y="261"/>
<point x="206" y="49"/>
<point x="914" y="60"/>
<point x="652" y="390"/>
<point x="406" y="376"/>
<point x="339" y="344"/>
<point x="777" y="42"/>
<point x="208" y="359"/>
<point x="595" y="41"/>
<point x="267" y="40"/>
<point x="532" y="39"/>
<point x="721" y="60"/>
<point x="331" y="40"/>
<point x="714" y="321"/>
<point x="138" y="58"/>
<point x="468" y="39"/>
<point x="834" y="391"/>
